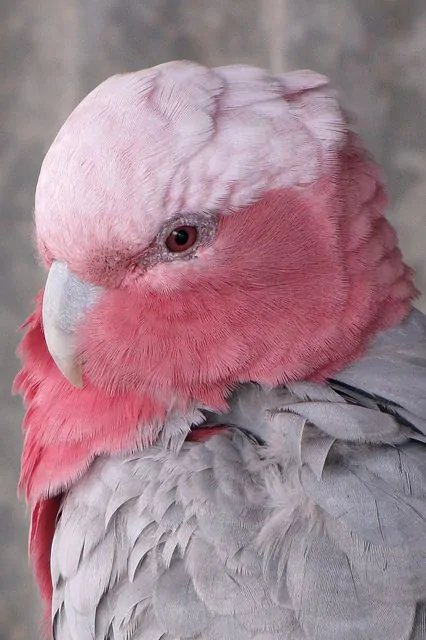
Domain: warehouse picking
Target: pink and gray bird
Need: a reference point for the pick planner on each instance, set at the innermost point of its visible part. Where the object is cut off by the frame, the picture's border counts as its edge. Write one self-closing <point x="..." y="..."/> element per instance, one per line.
<point x="225" y="379"/>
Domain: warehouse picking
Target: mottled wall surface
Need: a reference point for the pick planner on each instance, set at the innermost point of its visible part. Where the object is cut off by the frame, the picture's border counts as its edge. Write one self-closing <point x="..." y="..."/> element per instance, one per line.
<point x="52" y="52"/>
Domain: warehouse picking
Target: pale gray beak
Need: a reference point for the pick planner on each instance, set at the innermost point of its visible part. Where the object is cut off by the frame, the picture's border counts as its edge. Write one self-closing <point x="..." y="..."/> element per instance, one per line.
<point x="65" y="303"/>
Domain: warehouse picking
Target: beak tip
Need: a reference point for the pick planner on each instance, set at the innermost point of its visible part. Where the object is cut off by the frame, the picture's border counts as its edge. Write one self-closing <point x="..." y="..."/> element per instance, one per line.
<point x="72" y="371"/>
<point x="77" y="383"/>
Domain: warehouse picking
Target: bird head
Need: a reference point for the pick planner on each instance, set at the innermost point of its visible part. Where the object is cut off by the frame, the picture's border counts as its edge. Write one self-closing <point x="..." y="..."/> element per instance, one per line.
<point x="202" y="228"/>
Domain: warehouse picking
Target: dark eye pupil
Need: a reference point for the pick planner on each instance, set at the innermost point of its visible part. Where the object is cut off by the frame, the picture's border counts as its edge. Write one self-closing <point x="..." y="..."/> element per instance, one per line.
<point x="181" y="236"/>
<point x="181" y="239"/>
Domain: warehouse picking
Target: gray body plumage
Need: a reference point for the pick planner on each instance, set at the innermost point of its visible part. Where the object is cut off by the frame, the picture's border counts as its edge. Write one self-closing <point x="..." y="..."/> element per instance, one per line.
<point x="304" y="520"/>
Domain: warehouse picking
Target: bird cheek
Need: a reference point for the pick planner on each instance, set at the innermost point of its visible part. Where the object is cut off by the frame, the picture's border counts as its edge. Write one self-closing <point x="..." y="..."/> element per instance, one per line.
<point x="109" y="341"/>
<point x="158" y="279"/>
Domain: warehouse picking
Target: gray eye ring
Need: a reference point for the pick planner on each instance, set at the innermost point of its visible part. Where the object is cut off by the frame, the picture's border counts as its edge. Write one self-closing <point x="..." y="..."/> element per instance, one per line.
<point x="205" y="223"/>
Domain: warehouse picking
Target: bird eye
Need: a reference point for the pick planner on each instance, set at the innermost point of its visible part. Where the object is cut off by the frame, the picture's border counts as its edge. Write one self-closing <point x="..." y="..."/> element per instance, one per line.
<point x="181" y="239"/>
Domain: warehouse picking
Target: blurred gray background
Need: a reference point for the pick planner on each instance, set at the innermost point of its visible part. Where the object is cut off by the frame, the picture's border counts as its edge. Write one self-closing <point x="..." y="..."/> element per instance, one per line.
<point x="52" y="52"/>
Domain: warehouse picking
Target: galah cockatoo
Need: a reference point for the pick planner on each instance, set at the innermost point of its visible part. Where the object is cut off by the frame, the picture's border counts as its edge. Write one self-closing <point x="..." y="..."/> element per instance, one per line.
<point x="225" y="379"/>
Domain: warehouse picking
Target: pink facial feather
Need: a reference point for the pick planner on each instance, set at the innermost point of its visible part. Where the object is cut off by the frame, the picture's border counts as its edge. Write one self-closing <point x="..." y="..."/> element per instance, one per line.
<point x="304" y="270"/>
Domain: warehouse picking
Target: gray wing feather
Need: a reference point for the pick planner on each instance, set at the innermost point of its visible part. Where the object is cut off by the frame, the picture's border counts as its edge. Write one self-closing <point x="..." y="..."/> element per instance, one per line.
<point x="340" y="608"/>
<point x="305" y="521"/>
<point x="394" y="369"/>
